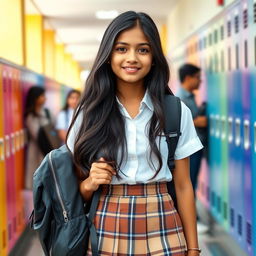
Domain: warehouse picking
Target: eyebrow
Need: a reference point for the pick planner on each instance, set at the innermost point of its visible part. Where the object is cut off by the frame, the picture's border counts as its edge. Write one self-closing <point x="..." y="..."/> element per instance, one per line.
<point x="140" y="44"/>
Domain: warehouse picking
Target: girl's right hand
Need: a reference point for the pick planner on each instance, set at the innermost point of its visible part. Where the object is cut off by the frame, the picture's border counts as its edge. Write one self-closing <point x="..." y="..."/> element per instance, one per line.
<point x="101" y="172"/>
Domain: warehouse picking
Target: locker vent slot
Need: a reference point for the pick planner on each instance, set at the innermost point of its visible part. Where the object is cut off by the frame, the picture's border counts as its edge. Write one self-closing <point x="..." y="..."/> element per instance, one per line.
<point x="15" y="224"/>
<point x="216" y="62"/>
<point x="245" y="18"/>
<point x="222" y="32"/>
<point x="210" y="39"/>
<point x="236" y="24"/>
<point x="245" y="53"/>
<point x="232" y="217"/>
<point x="208" y="193"/>
<point x="254" y="11"/>
<point x="249" y="233"/>
<point x="215" y="36"/>
<point x="219" y="204"/>
<point x="237" y="56"/>
<point x="229" y="28"/>
<point x="240" y="225"/>
<point x="225" y="210"/>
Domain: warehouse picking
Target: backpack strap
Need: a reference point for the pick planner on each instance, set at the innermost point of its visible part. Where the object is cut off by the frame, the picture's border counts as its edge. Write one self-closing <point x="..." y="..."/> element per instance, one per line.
<point x="47" y="113"/>
<point x="172" y="109"/>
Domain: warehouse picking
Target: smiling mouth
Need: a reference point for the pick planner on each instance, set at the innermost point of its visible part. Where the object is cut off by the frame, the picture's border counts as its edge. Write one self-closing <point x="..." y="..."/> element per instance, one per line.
<point x="131" y="69"/>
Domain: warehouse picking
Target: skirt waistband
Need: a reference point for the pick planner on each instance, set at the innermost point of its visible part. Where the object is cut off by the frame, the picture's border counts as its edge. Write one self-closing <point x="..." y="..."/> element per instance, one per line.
<point x="135" y="190"/>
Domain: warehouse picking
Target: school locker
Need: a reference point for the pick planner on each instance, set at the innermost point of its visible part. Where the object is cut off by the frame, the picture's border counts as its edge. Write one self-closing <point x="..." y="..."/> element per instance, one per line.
<point x="3" y="196"/>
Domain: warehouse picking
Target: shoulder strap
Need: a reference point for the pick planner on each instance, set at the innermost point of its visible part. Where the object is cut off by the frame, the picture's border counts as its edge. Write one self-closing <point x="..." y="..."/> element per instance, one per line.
<point x="172" y="109"/>
<point x="47" y="113"/>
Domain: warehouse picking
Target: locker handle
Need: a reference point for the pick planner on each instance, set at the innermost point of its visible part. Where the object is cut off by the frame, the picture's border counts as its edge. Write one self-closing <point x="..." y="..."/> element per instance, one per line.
<point x="17" y="140"/>
<point x="217" y="126"/>
<point x="230" y="129"/>
<point x="237" y="132"/>
<point x="7" y="146"/>
<point x="246" y="134"/>
<point x="1" y="149"/>
<point x="12" y="143"/>
<point x="223" y="127"/>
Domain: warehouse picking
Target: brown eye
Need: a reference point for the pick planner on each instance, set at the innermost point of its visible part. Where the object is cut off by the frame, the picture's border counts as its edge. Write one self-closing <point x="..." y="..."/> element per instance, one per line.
<point x="121" y="49"/>
<point x="143" y="50"/>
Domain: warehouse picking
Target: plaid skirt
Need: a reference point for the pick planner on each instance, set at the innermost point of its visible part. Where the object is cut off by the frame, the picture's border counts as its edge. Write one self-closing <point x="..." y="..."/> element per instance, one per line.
<point x="138" y="220"/>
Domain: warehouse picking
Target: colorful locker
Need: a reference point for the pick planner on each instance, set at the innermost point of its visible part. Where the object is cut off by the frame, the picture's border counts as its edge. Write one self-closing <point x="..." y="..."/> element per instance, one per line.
<point x="252" y="29"/>
<point x="9" y="159"/>
<point x="236" y="174"/>
<point x="3" y="196"/>
<point x="245" y="63"/>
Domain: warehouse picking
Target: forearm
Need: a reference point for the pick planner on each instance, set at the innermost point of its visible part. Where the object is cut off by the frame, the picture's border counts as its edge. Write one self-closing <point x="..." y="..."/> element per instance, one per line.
<point x="187" y="212"/>
<point x="85" y="192"/>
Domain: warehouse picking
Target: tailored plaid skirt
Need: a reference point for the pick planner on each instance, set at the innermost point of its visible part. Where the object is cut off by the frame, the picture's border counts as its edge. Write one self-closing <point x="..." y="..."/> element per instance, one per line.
<point x="138" y="220"/>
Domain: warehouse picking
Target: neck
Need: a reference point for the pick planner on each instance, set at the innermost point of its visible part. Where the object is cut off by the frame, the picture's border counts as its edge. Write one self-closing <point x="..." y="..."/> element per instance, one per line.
<point x="130" y="92"/>
<point x="186" y="86"/>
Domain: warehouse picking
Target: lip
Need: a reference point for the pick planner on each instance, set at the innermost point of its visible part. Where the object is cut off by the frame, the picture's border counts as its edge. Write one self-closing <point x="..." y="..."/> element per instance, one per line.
<point x="131" y="69"/>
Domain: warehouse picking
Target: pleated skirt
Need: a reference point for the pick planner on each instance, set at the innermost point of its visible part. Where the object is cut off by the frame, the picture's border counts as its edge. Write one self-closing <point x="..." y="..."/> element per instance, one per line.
<point x="138" y="220"/>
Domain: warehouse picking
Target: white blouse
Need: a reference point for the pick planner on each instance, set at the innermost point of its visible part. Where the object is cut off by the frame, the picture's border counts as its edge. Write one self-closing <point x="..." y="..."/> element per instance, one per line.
<point x="138" y="168"/>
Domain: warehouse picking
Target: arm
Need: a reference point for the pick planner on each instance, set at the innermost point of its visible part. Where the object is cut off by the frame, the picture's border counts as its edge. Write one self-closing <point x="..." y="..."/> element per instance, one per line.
<point x="186" y="203"/>
<point x="62" y="134"/>
<point x="200" y="121"/>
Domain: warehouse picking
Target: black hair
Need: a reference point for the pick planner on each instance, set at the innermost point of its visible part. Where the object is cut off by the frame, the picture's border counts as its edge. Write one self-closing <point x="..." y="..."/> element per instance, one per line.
<point x="33" y="94"/>
<point x="66" y="106"/>
<point x="187" y="70"/>
<point x="102" y="132"/>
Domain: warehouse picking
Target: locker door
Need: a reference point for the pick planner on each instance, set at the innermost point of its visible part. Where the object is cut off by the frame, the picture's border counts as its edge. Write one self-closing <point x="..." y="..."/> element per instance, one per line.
<point x="252" y="39"/>
<point x="3" y="196"/>
<point x="245" y="64"/>
<point x="9" y="159"/>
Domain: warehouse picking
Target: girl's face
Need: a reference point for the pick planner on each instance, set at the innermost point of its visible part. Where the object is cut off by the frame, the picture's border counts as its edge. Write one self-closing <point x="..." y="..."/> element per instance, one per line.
<point x="73" y="100"/>
<point x="41" y="100"/>
<point x="131" y="57"/>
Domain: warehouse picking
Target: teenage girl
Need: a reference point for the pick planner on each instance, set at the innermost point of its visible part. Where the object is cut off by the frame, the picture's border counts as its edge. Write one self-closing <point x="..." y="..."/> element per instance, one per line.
<point x="65" y="116"/>
<point x="117" y="142"/>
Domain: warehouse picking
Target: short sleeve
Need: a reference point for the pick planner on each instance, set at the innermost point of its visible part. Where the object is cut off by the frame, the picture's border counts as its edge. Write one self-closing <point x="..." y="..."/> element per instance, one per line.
<point x="189" y="142"/>
<point x="74" y="131"/>
<point x="61" y="121"/>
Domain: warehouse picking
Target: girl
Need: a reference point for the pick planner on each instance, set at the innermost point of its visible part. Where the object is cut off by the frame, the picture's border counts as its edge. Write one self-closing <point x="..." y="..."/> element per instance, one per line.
<point x="117" y="143"/>
<point x="35" y="116"/>
<point x="65" y="116"/>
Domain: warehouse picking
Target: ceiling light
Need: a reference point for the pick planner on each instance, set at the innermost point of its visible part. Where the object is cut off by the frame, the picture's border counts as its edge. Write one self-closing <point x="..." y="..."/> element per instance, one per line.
<point x="106" y="15"/>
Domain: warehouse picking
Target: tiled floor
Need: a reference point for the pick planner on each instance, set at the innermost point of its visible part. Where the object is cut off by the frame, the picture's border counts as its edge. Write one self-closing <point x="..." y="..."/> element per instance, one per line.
<point x="218" y="243"/>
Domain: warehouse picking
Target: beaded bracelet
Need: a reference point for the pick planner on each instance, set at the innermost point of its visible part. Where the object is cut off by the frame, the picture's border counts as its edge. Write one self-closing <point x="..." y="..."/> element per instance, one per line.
<point x="194" y="249"/>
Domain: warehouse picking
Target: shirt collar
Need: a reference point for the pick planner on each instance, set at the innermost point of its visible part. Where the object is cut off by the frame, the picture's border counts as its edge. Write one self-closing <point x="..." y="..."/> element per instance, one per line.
<point x="186" y="93"/>
<point x="145" y="101"/>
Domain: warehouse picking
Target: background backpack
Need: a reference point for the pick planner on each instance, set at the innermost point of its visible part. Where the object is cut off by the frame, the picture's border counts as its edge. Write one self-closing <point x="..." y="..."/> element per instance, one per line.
<point x="172" y="108"/>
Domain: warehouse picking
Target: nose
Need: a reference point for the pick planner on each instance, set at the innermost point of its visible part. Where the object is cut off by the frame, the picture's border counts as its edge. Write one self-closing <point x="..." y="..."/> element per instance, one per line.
<point x="132" y="57"/>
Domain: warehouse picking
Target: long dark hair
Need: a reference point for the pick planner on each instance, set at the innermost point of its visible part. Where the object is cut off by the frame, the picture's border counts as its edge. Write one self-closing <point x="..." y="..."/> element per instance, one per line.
<point x="66" y="106"/>
<point x="102" y="132"/>
<point x="33" y="94"/>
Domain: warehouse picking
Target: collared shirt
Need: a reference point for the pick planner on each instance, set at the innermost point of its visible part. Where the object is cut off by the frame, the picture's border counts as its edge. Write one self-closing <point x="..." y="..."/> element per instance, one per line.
<point x="138" y="167"/>
<point x="189" y="99"/>
<point x="64" y="119"/>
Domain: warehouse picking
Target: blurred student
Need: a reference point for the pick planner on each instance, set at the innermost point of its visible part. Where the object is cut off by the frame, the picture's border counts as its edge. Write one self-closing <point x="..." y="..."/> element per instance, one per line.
<point x="65" y="116"/>
<point x="190" y="78"/>
<point x="35" y="117"/>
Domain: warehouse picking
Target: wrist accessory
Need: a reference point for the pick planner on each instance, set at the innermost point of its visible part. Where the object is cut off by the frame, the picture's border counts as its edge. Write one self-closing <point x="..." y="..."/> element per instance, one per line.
<point x="194" y="249"/>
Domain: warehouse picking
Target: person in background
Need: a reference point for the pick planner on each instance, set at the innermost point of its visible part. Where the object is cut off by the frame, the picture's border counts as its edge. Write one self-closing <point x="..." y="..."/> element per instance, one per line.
<point x="35" y="117"/>
<point x="190" y="78"/>
<point x="65" y="116"/>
